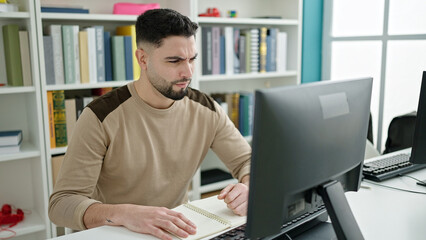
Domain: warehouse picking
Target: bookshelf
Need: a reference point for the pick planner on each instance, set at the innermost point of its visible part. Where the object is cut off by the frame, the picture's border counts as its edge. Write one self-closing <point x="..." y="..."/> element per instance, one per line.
<point x="23" y="174"/>
<point x="29" y="110"/>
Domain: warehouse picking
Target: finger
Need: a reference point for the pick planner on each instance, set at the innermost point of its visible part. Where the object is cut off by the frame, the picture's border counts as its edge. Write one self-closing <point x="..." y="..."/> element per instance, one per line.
<point x="241" y="209"/>
<point x="183" y="218"/>
<point x="183" y="225"/>
<point x="172" y="228"/>
<point x="161" y="234"/>
<point x="225" y="191"/>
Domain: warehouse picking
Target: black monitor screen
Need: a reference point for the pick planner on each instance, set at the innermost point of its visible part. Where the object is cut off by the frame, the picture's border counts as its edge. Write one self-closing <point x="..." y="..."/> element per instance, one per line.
<point x="304" y="136"/>
<point x="418" y="151"/>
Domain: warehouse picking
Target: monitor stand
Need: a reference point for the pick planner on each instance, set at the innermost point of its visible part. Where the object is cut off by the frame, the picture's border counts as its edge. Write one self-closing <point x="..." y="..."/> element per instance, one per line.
<point x="338" y="208"/>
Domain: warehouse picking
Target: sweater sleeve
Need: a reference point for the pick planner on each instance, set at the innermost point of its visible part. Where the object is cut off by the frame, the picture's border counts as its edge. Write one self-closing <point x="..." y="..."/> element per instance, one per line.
<point x="79" y="173"/>
<point x="230" y="146"/>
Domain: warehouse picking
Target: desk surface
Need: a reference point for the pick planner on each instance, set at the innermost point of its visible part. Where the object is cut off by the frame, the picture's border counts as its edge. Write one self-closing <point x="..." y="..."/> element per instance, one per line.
<point x="381" y="213"/>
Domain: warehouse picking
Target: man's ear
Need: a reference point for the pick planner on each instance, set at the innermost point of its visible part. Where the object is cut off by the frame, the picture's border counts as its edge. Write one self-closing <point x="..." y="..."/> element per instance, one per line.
<point x="141" y="56"/>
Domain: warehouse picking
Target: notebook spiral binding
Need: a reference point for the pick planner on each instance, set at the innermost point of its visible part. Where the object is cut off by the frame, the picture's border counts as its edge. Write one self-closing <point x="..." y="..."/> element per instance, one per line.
<point x="207" y="214"/>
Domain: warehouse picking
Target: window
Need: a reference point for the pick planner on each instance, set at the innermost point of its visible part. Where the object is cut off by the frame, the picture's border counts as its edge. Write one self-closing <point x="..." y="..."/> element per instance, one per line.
<point x="385" y="39"/>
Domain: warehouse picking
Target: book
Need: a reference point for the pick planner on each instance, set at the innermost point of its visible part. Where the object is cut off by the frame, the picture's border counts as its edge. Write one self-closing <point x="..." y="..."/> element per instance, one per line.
<point x="262" y="49"/>
<point x="128" y="56"/>
<point x="84" y="57"/>
<point x="229" y="50"/>
<point x="68" y="53"/>
<point x="282" y="52"/>
<point x="59" y="118"/>
<point x="118" y="62"/>
<point x="100" y="53"/>
<point x="10" y="149"/>
<point x="63" y="10"/>
<point x="206" y="50"/>
<point x="130" y="30"/>
<point x="215" y="50"/>
<point x="254" y="50"/>
<point x="12" y="54"/>
<point x="50" y="118"/>
<point x="271" y="50"/>
<point x="210" y="215"/>
<point x="70" y="116"/>
<point x="10" y="138"/>
<point x="55" y="31"/>
<point x="108" y="60"/>
<point x="49" y="60"/>
<point x="24" y="47"/>
<point x="91" y="51"/>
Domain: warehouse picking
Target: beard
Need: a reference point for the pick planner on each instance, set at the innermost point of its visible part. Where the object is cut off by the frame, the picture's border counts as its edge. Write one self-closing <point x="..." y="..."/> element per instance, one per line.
<point x="166" y="88"/>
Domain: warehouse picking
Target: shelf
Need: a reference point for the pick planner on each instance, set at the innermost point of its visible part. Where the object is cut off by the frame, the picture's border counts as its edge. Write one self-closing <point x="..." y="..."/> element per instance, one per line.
<point x="28" y="150"/>
<point x="89" y="17"/>
<point x="216" y="186"/>
<point x="247" y="21"/>
<point x="32" y="223"/>
<point x="15" y="15"/>
<point x="87" y="85"/>
<point x="242" y="76"/>
<point x="58" y="151"/>
<point x="12" y="90"/>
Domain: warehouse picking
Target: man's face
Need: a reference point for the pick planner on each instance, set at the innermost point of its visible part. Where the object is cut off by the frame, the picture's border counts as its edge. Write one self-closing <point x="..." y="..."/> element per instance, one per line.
<point x="170" y="67"/>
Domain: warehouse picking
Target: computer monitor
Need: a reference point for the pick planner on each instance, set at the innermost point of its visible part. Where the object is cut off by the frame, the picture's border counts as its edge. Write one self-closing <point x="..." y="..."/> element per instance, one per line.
<point x="418" y="150"/>
<point x="307" y="140"/>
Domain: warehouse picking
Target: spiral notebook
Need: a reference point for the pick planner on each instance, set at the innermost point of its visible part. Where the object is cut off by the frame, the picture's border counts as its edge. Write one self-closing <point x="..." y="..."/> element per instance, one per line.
<point x="210" y="215"/>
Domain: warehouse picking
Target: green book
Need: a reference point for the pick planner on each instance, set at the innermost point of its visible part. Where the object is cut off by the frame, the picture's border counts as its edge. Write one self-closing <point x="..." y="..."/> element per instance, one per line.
<point x="68" y="53"/>
<point x="12" y="54"/>
<point x="59" y="118"/>
<point x="118" y="60"/>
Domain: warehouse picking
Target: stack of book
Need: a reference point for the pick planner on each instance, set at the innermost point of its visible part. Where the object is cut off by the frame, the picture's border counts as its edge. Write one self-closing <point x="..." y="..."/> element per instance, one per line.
<point x="232" y="50"/>
<point x="10" y="141"/>
<point x="17" y="55"/>
<point x="76" y="55"/>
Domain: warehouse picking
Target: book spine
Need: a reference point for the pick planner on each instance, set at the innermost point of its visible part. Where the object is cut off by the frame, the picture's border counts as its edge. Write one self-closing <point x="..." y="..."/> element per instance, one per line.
<point x="68" y="52"/>
<point x="262" y="50"/>
<point x="272" y="49"/>
<point x="282" y="52"/>
<point x="248" y="51"/>
<point x="48" y="60"/>
<point x="84" y="57"/>
<point x="236" y="50"/>
<point x="12" y="55"/>
<point x="235" y="109"/>
<point x="128" y="57"/>
<point x="215" y="50"/>
<point x="59" y="118"/>
<point x="206" y="50"/>
<point x="118" y="62"/>
<point x="24" y="47"/>
<point x="242" y="54"/>
<point x="130" y="30"/>
<point x="76" y="48"/>
<point x="100" y="53"/>
<point x="108" y="60"/>
<point x="91" y="47"/>
<point x="254" y="50"/>
<point x="222" y="55"/>
<point x="71" y="118"/>
<point x="51" y="119"/>
<point x="229" y="50"/>
<point x="58" y="63"/>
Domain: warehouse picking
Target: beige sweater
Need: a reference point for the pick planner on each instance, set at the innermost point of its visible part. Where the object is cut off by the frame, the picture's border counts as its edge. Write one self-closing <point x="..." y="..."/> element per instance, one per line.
<point x="124" y="151"/>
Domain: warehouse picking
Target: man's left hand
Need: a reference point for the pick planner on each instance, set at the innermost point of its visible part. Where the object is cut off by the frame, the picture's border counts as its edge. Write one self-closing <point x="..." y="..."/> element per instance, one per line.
<point x="236" y="196"/>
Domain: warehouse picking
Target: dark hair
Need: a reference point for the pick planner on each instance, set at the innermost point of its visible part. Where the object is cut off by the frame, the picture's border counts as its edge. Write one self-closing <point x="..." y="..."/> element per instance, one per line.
<point x="155" y="25"/>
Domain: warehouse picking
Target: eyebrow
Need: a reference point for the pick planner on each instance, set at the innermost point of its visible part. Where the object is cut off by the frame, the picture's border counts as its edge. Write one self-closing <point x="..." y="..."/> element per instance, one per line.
<point x="180" y="58"/>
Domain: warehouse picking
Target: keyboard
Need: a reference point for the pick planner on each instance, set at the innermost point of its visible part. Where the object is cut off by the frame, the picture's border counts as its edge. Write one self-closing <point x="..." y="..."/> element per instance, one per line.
<point x="389" y="167"/>
<point x="233" y="234"/>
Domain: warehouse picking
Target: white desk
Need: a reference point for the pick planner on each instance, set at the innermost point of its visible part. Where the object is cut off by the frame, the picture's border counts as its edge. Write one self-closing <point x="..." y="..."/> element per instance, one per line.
<point x="381" y="213"/>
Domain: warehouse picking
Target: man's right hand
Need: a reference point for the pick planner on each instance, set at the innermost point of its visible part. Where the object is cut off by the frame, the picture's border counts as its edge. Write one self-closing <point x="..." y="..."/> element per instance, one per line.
<point x="156" y="221"/>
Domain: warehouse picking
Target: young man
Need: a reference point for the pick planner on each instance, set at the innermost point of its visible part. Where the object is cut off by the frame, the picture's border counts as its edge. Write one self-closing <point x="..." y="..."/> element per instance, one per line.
<point x="135" y="150"/>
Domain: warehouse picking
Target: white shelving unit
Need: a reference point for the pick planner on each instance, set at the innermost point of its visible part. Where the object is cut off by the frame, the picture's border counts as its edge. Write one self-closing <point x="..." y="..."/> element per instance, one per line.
<point x="23" y="181"/>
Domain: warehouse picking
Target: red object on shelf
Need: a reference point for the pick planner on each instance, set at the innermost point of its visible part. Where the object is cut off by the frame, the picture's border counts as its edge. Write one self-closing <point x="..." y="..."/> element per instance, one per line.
<point x="211" y="12"/>
<point x="7" y="217"/>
